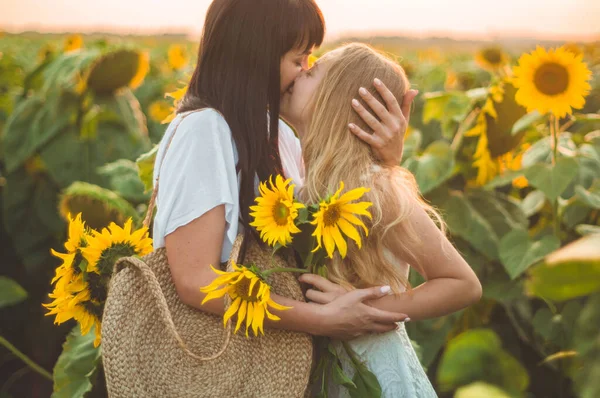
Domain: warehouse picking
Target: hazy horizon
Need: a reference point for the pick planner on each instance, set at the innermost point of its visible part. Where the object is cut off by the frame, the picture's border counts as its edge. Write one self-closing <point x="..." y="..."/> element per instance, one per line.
<point x="462" y="19"/>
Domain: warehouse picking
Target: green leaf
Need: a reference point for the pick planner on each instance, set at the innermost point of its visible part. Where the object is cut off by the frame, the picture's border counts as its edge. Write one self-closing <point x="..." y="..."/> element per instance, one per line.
<point x="466" y="222"/>
<point x="504" y="179"/>
<point x="480" y="390"/>
<point x="502" y="212"/>
<point x="365" y="381"/>
<point x="570" y="272"/>
<point x="145" y="164"/>
<point x="541" y="150"/>
<point x="124" y="179"/>
<point x="518" y="252"/>
<point x="434" y="106"/>
<point x="533" y="203"/>
<point x="435" y="166"/>
<point x="592" y="199"/>
<point x="74" y="372"/>
<point x="11" y="292"/>
<point x="526" y="121"/>
<point x="500" y="288"/>
<point x="477" y="355"/>
<point x="552" y="180"/>
<point x="302" y="216"/>
<point x="341" y="378"/>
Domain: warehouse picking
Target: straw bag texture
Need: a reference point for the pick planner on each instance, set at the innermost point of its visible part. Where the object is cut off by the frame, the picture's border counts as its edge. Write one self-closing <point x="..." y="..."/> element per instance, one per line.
<point x="154" y="345"/>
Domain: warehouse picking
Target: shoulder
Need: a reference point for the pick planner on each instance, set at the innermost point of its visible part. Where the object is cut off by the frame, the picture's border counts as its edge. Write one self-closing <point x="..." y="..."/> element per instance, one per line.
<point x="202" y="120"/>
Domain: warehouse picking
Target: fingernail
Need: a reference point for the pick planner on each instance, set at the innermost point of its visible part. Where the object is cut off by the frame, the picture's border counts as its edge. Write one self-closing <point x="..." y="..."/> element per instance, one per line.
<point x="362" y="91"/>
<point x="351" y="126"/>
<point x="407" y="320"/>
<point x="377" y="82"/>
<point x="355" y="102"/>
<point x="386" y="289"/>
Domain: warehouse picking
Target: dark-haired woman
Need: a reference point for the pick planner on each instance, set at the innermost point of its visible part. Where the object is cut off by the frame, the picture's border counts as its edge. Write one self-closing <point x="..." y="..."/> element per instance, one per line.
<point x="251" y="52"/>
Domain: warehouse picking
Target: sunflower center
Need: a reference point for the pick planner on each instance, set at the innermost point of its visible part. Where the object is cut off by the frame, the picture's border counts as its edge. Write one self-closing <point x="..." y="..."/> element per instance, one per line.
<point x="97" y="287"/>
<point x="93" y="308"/>
<point x="242" y="289"/>
<point x="332" y="215"/>
<point x="110" y="256"/>
<point x="281" y="213"/>
<point x="493" y="56"/>
<point x="551" y="78"/>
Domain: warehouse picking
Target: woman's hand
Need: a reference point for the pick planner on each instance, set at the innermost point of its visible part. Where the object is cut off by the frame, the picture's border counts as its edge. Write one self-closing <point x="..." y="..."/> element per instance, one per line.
<point x="324" y="291"/>
<point x="348" y="317"/>
<point x="387" y="139"/>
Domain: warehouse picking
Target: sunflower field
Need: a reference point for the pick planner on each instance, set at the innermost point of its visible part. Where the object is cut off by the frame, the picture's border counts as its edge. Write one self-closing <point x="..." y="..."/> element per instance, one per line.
<point x="504" y="141"/>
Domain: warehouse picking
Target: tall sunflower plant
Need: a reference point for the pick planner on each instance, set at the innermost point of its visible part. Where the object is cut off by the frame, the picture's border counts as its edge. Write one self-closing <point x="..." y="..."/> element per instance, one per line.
<point x="317" y="232"/>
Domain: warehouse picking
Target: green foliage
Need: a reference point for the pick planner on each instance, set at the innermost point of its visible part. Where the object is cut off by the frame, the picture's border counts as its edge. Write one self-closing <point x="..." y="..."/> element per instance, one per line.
<point x="10" y="292"/>
<point x="76" y="368"/>
<point x="477" y="355"/>
<point x="568" y="273"/>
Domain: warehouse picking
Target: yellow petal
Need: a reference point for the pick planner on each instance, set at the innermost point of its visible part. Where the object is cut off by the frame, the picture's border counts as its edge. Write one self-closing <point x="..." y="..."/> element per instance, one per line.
<point x="232" y="309"/>
<point x="339" y="241"/>
<point x="350" y="231"/>
<point x="241" y="315"/>
<point x="249" y="317"/>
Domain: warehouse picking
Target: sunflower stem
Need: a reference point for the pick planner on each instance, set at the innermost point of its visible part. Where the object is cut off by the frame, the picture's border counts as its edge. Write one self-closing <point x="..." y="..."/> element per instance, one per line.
<point x="280" y="269"/>
<point x="554" y="131"/>
<point x="37" y="368"/>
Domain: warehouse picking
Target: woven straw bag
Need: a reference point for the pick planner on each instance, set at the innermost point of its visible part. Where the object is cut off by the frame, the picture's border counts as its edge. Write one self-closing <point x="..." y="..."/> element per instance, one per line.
<point x="154" y="345"/>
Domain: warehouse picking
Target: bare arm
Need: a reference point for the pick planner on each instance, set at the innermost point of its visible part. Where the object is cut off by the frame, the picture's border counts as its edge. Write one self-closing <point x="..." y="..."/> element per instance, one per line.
<point x="192" y="248"/>
<point x="450" y="283"/>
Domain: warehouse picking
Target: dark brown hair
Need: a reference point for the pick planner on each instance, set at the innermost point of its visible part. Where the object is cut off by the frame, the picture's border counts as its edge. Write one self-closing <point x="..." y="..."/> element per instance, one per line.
<point x="238" y="74"/>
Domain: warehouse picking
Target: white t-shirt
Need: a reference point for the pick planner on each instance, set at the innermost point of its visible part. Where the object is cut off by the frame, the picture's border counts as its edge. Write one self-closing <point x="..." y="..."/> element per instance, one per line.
<point x="199" y="173"/>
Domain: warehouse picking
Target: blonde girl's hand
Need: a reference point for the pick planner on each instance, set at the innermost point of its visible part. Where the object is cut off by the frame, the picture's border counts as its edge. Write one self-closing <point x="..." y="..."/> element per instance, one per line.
<point x="387" y="139"/>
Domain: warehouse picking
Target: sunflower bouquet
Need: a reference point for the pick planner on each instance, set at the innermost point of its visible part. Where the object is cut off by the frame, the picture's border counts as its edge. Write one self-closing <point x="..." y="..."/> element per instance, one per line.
<point x="280" y="218"/>
<point x="81" y="281"/>
<point x="316" y="232"/>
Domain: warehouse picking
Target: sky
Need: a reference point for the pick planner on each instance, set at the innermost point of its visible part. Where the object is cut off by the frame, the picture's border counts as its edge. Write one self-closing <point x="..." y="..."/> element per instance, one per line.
<point x="556" y="19"/>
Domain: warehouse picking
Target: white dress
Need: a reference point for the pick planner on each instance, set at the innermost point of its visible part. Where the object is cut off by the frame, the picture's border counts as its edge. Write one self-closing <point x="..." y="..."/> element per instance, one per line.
<point x="391" y="358"/>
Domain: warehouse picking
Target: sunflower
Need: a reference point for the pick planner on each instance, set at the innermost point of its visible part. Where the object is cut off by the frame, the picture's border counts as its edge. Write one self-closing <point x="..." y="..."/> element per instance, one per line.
<point x="159" y="111"/>
<point x="142" y="70"/>
<point x="70" y="268"/>
<point x="80" y="304"/>
<point x="250" y="297"/>
<point x="275" y="212"/>
<point x="177" y="56"/>
<point x="311" y="60"/>
<point x="337" y="213"/>
<point x="553" y="81"/>
<point x="177" y="96"/>
<point x="106" y="247"/>
<point x="491" y="58"/>
<point x="73" y="43"/>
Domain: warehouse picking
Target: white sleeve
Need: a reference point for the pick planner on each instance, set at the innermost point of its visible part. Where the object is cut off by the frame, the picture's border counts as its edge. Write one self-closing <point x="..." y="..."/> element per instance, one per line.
<point x="198" y="174"/>
<point x="290" y="152"/>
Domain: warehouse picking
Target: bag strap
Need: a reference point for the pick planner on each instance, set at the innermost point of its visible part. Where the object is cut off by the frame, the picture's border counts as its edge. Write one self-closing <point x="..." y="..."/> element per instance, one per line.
<point x="152" y="203"/>
<point x="153" y="286"/>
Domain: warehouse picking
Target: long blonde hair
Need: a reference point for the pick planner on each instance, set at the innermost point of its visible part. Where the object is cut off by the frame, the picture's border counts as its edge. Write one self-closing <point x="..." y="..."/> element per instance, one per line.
<point x="333" y="154"/>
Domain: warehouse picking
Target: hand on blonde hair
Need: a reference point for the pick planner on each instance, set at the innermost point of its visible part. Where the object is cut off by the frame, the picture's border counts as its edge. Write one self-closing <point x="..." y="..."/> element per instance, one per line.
<point x="387" y="139"/>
